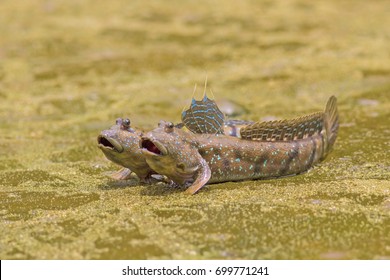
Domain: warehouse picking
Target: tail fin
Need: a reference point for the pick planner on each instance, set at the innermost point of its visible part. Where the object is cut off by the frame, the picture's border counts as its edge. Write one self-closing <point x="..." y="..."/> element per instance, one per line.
<point x="331" y="120"/>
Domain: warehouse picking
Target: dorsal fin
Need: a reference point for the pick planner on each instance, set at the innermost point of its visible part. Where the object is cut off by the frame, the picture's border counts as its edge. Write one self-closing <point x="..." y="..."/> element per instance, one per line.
<point x="204" y="116"/>
<point x="284" y="130"/>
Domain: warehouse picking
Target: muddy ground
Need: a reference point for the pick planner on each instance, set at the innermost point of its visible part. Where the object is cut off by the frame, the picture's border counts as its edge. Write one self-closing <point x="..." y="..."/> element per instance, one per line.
<point x="68" y="69"/>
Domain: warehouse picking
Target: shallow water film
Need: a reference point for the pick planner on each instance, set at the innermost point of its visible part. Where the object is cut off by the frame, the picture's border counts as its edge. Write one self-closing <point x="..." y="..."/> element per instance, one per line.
<point x="68" y="69"/>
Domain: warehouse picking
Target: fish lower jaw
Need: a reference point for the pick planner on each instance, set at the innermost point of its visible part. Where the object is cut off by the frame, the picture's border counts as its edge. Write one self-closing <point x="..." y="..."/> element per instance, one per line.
<point x="146" y="152"/>
<point x="152" y="147"/>
<point x="109" y="144"/>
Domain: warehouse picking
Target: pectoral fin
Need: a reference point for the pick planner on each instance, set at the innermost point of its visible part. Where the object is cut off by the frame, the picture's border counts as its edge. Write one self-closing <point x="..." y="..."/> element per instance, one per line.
<point x="121" y="174"/>
<point x="203" y="176"/>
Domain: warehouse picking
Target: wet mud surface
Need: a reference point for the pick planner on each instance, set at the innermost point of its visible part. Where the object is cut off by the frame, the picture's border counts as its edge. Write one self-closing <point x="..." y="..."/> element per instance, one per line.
<point x="68" y="69"/>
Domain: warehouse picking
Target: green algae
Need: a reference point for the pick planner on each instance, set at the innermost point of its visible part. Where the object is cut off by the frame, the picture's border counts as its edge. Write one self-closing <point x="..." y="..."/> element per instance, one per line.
<point x="68" y="70"/>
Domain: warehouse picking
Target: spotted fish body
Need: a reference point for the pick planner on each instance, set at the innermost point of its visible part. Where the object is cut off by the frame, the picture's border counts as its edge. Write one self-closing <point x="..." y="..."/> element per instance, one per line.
<point x="120" y="144"/>
<point x="290" y="147"/>
<point x="231" y="159"/>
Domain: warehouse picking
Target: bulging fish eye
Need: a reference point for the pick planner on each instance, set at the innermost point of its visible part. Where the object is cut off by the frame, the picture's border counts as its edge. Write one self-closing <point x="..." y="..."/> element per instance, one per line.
<point x="126" y="122"/>
<point x="118" y="121"/>
<point x="169" y="127"/>
<point x="161" y="124"/>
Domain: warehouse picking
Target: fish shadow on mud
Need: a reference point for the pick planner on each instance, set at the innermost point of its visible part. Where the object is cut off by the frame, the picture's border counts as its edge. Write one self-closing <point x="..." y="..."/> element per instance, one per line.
<point x="155" y="189"/>
<point x="160" y="189"/>
<point x="119" y="184"/>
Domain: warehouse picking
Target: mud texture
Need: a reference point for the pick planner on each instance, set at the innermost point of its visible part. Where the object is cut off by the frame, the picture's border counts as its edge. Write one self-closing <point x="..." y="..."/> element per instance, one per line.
<point x="68" y="69"/>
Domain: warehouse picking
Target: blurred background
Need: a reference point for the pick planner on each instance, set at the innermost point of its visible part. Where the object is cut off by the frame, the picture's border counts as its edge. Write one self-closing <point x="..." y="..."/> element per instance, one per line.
<point x="69" y="68"/>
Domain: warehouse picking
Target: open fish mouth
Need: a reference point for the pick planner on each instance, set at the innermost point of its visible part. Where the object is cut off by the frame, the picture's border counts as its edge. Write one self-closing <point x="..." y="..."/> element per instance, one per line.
<point x="152" y="147"/>
<point x="108" y="143"/>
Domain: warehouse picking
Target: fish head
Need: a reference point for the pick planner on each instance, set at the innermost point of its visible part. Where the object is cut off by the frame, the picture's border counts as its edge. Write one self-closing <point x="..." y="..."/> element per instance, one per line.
<point x="120" y="144"/>
<point x="168" y="152"/>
